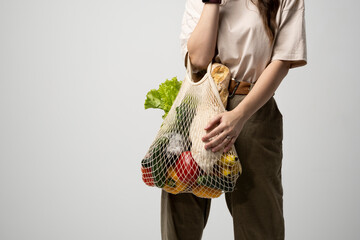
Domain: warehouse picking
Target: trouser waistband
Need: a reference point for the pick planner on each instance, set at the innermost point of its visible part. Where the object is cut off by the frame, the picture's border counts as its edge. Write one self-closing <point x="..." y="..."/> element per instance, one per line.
<point x="239" y="88"/>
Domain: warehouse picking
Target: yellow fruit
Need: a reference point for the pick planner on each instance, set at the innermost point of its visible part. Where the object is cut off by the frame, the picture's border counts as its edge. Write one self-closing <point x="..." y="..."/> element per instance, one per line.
<point x="206" y="192"/>
<point x="180" y="186"/>
<point x="226" y="172"/>
<point x="172" y="174"/>
<point x="228" y="159"/>
<point x="236" y="169"/>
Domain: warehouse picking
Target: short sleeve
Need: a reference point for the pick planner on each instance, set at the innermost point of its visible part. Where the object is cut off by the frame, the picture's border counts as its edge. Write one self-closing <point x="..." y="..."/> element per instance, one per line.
<point x="290" y="39"/>
<point x="189" y="21"/>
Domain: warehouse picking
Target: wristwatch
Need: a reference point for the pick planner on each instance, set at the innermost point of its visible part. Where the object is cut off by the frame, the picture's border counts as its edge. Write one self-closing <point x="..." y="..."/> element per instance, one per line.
<point x="212" y="1"/>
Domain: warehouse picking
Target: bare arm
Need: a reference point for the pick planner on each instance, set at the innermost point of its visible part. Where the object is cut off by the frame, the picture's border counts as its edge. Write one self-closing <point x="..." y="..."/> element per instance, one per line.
<point x="264" y="88"/>
<point x="202" y="41"/>
<point x="230" y="123"/>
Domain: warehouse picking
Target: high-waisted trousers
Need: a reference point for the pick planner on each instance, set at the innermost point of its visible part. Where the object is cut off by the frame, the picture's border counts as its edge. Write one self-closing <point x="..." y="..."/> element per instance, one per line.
<point x="256" y="204"/>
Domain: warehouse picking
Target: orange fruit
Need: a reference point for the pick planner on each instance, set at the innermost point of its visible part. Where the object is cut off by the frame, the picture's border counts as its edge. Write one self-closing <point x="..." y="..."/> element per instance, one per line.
<point x="206" y="192"/>
<point x="180" y="186"/>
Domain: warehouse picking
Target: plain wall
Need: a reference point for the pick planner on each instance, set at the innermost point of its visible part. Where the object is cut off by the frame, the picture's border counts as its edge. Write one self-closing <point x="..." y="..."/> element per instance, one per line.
<point x="73" y="79"/>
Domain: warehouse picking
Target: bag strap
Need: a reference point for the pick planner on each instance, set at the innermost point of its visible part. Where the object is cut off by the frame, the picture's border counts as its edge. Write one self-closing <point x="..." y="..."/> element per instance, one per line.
<point x="188" y="65"/>
<point x="189" y="70"/>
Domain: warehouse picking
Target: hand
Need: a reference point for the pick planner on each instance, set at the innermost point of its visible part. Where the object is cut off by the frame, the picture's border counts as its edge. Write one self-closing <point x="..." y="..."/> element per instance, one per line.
<point x="225" y="124"/>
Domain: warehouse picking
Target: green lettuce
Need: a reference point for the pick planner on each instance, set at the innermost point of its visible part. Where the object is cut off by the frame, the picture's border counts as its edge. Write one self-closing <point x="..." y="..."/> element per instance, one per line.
<point x="163" y="97"/>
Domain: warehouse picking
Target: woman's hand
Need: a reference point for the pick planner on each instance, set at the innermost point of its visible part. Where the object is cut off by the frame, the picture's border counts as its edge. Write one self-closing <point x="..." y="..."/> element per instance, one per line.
<point x="231" y="123"/>
<point x="225" y="128"/>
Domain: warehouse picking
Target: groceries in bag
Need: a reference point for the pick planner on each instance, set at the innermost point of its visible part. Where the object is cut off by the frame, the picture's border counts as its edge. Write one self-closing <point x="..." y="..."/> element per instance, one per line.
<point x="177" y="161"/>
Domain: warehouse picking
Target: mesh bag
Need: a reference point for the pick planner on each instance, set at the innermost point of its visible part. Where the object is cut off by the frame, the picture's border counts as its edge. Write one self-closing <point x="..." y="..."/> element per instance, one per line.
<point x="177" y="160"/>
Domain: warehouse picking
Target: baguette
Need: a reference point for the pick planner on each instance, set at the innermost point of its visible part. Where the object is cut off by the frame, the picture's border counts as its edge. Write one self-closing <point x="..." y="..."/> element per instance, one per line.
<point x="221" y="75"/>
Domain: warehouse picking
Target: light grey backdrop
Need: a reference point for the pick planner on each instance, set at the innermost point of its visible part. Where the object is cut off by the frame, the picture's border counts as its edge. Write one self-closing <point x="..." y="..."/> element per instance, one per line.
<point x="73" y="129"/>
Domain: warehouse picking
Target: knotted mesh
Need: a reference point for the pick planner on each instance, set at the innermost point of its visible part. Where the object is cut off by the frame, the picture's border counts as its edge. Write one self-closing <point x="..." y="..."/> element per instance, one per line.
<point x="177" y="160"/>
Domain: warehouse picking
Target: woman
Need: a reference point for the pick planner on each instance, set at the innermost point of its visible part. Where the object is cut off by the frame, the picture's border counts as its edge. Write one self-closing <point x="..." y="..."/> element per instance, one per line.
<point x="259" y="41"/>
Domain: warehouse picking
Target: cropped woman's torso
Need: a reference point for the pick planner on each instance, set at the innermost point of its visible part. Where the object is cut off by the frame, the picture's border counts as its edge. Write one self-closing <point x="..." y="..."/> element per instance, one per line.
<point x="244" y="46"/>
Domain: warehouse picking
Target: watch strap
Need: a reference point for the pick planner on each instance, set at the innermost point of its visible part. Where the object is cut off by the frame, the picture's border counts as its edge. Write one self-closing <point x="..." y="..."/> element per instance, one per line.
<point x="212" y="1"/>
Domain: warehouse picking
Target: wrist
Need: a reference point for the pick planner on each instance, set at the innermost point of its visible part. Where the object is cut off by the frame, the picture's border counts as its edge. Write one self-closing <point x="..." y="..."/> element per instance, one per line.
<point x="241" y="112"/>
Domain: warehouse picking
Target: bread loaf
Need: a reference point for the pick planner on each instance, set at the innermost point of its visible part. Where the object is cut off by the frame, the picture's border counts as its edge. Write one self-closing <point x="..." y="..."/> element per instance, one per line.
<point x="221" y="75"/>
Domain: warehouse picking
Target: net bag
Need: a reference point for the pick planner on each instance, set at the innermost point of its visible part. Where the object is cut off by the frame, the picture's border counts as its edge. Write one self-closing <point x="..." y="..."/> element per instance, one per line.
<point x="177" y="160"/>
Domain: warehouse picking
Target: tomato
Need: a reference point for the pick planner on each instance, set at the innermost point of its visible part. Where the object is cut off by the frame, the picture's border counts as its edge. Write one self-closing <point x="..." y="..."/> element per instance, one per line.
<point x="147" y="176"/>
<point x="187" y="169"/>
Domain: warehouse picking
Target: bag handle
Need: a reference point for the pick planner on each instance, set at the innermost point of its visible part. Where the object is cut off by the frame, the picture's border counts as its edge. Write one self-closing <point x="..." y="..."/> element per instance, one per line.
<point x="189" y="72"/>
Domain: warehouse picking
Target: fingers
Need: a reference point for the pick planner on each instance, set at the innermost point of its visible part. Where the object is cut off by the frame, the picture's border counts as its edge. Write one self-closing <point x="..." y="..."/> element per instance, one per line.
<point x="224" y="143"/>
<point x="213" y="122"/>
<point x="217" y="141"/>
<point x="213" y="133"/>
<point x="213" y="128"/>
<point x="218" y="128"/>
<point x="229" y="145"/>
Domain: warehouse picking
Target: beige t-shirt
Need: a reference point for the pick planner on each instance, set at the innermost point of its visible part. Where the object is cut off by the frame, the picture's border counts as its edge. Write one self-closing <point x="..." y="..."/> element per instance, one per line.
<point x="243" y="44"/>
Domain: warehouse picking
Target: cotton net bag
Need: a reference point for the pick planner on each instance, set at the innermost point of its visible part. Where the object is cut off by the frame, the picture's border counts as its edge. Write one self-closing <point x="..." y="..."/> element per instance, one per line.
<point x="177" y="160"/>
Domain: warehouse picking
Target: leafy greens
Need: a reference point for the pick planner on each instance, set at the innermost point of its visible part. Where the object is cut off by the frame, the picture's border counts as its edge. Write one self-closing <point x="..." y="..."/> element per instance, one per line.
<point x="163" y="97"/>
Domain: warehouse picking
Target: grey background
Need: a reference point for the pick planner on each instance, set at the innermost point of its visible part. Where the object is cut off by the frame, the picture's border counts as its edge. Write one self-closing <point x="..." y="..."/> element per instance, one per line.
<point x="73" y="129"/>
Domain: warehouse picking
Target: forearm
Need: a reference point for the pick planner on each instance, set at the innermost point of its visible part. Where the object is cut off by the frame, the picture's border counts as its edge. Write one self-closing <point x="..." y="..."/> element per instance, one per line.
<point x="263" y="90"/>
<point x="202" y="42"/>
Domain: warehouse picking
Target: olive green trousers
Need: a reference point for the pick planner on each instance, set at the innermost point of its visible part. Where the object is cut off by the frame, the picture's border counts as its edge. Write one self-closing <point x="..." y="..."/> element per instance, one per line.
<point x="256" y="204"/>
